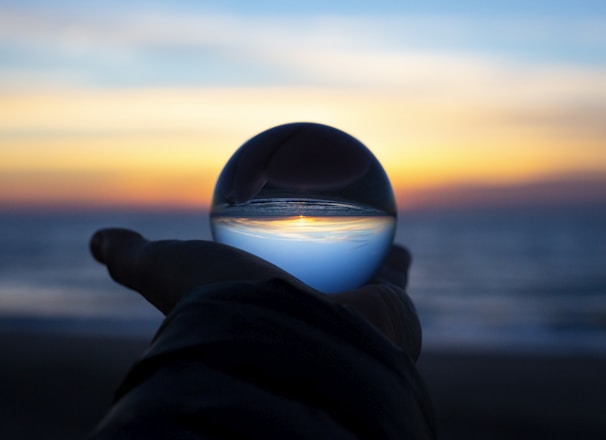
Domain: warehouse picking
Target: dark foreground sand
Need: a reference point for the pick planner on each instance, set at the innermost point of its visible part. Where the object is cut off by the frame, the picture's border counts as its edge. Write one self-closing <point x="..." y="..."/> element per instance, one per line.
<point x="57" y="387"/>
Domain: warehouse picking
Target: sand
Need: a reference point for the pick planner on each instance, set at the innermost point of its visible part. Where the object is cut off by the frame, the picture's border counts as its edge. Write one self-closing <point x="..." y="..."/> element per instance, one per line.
<point x="57" y="386"/>
<point x="490" y="396"/>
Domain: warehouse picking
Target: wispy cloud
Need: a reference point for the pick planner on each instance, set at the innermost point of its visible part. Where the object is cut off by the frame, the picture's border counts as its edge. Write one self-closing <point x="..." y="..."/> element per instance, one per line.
<point x="149" y="27"/>
<point x="321" y="49"/>
<point x="425" y="58"/>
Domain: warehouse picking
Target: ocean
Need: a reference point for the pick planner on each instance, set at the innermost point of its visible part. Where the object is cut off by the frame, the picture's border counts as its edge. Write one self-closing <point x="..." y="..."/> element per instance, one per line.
<point x="503" y="280"/>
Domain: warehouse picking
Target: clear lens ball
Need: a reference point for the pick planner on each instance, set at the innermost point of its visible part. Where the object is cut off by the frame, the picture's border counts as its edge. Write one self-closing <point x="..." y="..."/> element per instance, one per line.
<point x="310" y="199"/>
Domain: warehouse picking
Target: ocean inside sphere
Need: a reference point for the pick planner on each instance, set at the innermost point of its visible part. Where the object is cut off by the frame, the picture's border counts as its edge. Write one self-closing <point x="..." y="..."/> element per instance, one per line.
<point x="310" y="199"/>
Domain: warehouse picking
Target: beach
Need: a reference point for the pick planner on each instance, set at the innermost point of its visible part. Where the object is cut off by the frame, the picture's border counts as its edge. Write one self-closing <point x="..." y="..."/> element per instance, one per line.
<point x="514" y="396"/>
<point x="58" y="386"/>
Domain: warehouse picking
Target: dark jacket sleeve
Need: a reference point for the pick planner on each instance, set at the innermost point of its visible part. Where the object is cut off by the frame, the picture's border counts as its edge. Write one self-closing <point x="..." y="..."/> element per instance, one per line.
<point x="265" y="360"/>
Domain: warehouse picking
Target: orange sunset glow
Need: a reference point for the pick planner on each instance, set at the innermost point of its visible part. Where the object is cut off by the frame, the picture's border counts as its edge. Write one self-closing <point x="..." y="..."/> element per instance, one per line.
<point x="441" y="122"/>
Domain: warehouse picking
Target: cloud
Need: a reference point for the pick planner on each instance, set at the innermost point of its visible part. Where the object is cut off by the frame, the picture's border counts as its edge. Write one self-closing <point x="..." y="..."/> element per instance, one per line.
<point x="562" y="191"/>
<point x="151" y="26"/>
<point x="297" y="43"/>
<point x="426" y="59"/>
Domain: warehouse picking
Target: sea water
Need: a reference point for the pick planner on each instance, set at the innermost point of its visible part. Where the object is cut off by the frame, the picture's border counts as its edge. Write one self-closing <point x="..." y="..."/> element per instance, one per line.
<point x="517" y="279"/>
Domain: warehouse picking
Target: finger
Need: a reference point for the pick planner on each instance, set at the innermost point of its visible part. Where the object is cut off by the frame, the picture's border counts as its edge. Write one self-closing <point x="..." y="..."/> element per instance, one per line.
<point x="397" y="316"/>
<point x="154" y="269"/>
<point x="117" y="249"/>
<point x="394" y="269"/>
<point x="122" y="251"/>
<point x="390" y="310"/>
<point x="384" y="302"/>
<point x="159" y="271"/>
<point x="164" y="271"/>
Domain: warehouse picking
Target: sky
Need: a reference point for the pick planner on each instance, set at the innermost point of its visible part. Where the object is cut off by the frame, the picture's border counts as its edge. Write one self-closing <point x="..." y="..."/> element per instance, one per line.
<point x="141" y="104"/>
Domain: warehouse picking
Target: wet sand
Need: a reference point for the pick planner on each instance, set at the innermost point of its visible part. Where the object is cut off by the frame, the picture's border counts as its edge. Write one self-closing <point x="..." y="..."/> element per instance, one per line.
<point x="58" y="387"/>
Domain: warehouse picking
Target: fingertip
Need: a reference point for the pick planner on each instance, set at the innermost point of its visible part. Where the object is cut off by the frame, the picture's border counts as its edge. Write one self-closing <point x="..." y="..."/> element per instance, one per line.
<point x="96" y="246"/>
<point x="399" y="257"/>
<point x="396" y="264"/>
<point x="104" y="240"/>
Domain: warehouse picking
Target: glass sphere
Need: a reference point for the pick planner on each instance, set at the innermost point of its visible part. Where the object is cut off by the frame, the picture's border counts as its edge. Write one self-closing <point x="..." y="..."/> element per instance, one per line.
<point x="310" y="199"/>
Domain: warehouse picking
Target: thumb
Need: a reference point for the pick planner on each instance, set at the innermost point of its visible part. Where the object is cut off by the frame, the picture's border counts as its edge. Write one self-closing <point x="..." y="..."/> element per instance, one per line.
<point x="124" y="253"/>
<point x="117" y="249"/>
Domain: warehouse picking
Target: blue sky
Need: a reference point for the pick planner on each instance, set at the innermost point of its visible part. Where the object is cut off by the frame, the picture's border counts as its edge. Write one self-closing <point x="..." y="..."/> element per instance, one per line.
<point x="469" y="6"/>
<point x="187" y="43"/>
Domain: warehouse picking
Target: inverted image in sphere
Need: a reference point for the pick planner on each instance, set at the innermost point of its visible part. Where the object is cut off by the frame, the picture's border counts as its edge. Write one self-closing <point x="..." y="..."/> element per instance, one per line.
<point x="310" y="199"/>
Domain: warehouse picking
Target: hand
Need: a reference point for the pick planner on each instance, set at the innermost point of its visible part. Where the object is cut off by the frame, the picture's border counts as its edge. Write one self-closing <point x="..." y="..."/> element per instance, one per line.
<point x="164" y="271"/>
